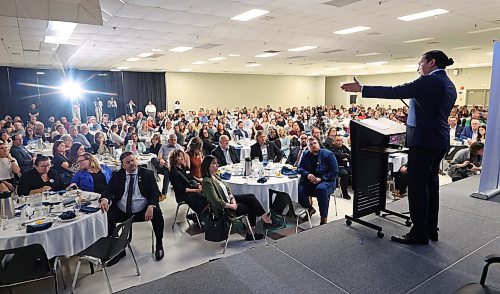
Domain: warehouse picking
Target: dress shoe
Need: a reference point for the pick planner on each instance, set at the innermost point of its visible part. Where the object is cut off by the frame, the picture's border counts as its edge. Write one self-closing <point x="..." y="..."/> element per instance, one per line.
<point x="410" y="239"/>
<point x="117" y="258"/>
<point x="311" y="212"/>
<point x="346" y="196"/>
<point x="323" y="221"/>
<point x="257" y="236"/>
<point x="159" y="253"/>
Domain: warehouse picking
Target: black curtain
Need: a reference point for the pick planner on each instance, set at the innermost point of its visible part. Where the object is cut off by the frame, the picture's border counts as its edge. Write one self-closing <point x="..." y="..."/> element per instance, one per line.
<point x="142" y="87"/>
<point x="19" y="89"/>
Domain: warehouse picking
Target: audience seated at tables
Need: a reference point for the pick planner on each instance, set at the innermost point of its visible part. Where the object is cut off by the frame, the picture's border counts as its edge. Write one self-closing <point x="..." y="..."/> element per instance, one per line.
<point x="144" y="130"/>
<point x="78" y="138"/>
<point x="222" y="200"/>
<point x="256" y="128"/>
<point x="208" y="144"/>
<point x="84" y="130"/>
<point x="179" y="134"/>
<point x="186" y="187"/>
<point x="264" y="150"/>
<point x="114" y="136"/>
<point x="134" y="145"/>
<point x="5" y="138"/>
<point x="319" y="171"/>
<point x="101" y="145"/>
<point x="21" y="154"/>
<point x="9" y="168"/>
<point x="61" y="162"/>
<point x="195" y="152"/>
<point x="284" y="141"/>
<point x="343" y="156"/>
<point x="297" y="152"/>
<point x="155" y="146"/>
<point x="58" y="132"/>
<point x="29" y="137"/>
<point x="92" y="176"/>
<point x="240" y="132"/>
<point x="191" y="132"/>
<point x="40" y="179"/>
<point x="466" y="162"/>
<point x="330" y="138"/>
<point x="76" y="150"/>
<point x="132" y="191"/>
<point x="273" y="137"/>
<point x="481" y="136"/>
<point x="221" y="130"/>
<point x="68" y="141"/>
<point x="225" y="153"/>
<point x="161" y="161"/>
<point x="455" y="129"/>
<point x="469" y="133"/>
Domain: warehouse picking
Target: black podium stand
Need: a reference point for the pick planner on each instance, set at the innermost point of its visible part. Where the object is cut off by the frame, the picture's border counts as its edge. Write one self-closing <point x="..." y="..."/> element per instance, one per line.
<point x="371" y="143"/>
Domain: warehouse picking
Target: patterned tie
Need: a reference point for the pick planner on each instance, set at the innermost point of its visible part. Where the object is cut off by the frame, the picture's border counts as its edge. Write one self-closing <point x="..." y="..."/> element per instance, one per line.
<point x="298" y="157"/>
<point x="130" y="192"/>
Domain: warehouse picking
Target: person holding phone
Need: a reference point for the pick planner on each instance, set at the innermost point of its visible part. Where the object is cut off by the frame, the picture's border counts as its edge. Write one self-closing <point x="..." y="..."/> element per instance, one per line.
<point x="466" y="162"/>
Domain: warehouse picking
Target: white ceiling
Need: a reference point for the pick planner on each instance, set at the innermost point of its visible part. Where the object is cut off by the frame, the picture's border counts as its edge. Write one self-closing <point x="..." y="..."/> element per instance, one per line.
<point x="131" y="27"/>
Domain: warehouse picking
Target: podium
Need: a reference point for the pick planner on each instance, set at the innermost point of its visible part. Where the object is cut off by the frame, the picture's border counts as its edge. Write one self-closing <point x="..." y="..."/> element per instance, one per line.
<point x="372" y="140"/>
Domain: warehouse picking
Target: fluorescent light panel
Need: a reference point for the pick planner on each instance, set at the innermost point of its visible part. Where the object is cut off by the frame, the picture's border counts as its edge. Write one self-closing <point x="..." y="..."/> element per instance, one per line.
<point x="147" y="54"/>
<point x="123" y="67"/>
<point x="357" y="66"/>
<point x="266" y="55"/>
<point x="424" y="14"/>
<point x="465" y="47"/>
<point x="418" y="40"/>
<point x="114" y="69"/>
<point x="180" y="49"/>
<point x="484" y="30"/>
<point x="58" y="32"/>
<point x="185" y="69"/>
<point x="157" y="50"/>
<point x="199" y="62"/>
<point x="368" y="54"/>
<point x="333" y="68"/>
<point x="352" y="30"/>
<point x="217" y="58"/>
<point x="303" y="48"/>
<point x="377" y="63"/>
<point x="250" y="14"/>
<point x="133" y="59"/>
<point x="234" y="55"/>
<point x="252" y="65"/>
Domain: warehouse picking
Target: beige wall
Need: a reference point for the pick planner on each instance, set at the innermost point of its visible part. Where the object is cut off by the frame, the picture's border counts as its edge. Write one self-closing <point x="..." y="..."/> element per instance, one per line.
<point x="469" y="78"/>
<point x="210" y="90"/>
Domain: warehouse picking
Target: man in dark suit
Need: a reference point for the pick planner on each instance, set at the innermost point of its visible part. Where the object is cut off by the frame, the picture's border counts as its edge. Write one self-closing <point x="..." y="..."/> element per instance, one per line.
<point x="225" y="153"/>
<point x="432" y="97"/>
<point x="455" y="129"/>
<point x="265" y="150"/>
<point x="297" y="152"/>
<point x="343" y="156"/>
<point x="133" y="191"/>
<point x="469" y="133"/>
<point x="240" y="131"/>
<point x="318" y="171"/>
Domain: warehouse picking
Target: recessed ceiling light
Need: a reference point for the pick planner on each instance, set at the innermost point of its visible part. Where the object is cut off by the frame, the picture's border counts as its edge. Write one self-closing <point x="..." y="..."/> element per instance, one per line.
<point x="484" y="30"/>
<point x="252" y="65"/>
<point x="145" y="54"/>
<point x="157" y="50"/>
<point x="377" y="63"/>
<point x="217" y="58"/>
<point x="465" y="47"/>
<point x="250" y="14"/>
<point x="55" y="39"/>
<point x="418" y="40"/>
<point x="352" y="30"/>
<point x="357" y="66"/>
<point x="424" y="14"/>
<point x="185" y="69"/>
<point x="123" y="67"/>
<point x="333" y="68"/>
<point x="303" y="48"/>
<point x="199" y="62"/>
<point x="480" y="64"/>
<point x="133" y="59"/>
<point x="40" y="73"/>
<point x="368" y="54"/>
<point x="313" y="74"/>
<point x="234" y="55"/>
<point x="180" y="49"/>
<point x="266" y="55"/>
<point x="114" y="69"/>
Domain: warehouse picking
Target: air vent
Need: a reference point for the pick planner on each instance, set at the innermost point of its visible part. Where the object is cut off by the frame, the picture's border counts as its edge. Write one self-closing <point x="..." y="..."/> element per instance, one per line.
<point x="473" y="49"/>
<point x="332" y="51"/>
<point x="372" y="34"/>
<point x="272" y="51"/>
<point x="155" y="56"/>
<point x="307" y="63"/>
<point x="208" y="46"/>
<point x="295" y="57"/>
<point x="340" y="3"/>
<point x="433" y="42"/>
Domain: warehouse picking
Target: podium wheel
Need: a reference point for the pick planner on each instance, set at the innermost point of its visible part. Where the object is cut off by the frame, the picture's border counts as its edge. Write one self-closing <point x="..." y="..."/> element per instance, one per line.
<point x="408" y="223"/>
<point x="380" y="235"/>
<point x="348" y="222"/>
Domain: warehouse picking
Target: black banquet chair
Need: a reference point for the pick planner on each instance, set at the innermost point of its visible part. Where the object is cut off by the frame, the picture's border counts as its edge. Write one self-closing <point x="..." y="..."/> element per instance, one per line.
<point x="107" y="248"/>
<point x="27" y="264"/>
<point x="481" y="288"/>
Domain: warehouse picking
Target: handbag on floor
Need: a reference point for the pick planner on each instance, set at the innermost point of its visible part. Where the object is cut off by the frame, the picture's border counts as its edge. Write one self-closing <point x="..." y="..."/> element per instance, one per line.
<point x="217" y="228"/>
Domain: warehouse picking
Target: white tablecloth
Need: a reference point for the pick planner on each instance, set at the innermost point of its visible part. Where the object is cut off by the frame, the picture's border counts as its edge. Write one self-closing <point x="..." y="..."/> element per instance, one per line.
<point x="398" y="159"/>
<point x="144" y="159"/>
<point x="242" y="185"/>
<point x="62" y="239"/>
<point x="243" y="146"/>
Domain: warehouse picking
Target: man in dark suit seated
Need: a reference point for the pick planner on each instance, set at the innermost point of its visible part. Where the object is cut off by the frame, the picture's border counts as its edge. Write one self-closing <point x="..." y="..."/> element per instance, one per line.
<point x="225" y="153"/>
<point x="297" y="152"/>
<point x="240" y="132"/>
<point x="343" y="156"/>
<point x="455" y="129"/>
<point x="265" y="150"/>
<point x="470" y="133"/>
<point x="318" y="171"/>
<point x="133" y="191"/>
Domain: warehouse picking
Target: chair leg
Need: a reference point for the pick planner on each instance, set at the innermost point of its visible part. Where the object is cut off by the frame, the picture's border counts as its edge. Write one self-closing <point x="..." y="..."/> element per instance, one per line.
<point x="135" y="261"/>
<point x="335" y="202"/>
<point x="152" y="242"/>
<point x="250" y="228"/>
<point x="227" y="239"/>
<point x="187" y="212"/>
<point x="91" y="265"/>
<point x="61" y="272"/>
<point x="76" y="275"/>
<point x="199" y="223"/>
<point x="309" y="218"/>
<point x="107" y="279"/>
<point x="175" y="218"/>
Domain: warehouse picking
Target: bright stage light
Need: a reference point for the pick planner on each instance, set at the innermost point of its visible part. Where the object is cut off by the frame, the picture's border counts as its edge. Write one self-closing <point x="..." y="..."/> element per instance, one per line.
<point x="71" y="89"/>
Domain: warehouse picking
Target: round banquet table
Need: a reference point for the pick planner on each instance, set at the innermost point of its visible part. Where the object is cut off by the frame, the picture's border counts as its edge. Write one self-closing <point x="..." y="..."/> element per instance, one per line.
<point x="144" y="159"/>
<point x="246" y="185"/>
<point x="243" y="146"/>
<point x="63" y="238"/>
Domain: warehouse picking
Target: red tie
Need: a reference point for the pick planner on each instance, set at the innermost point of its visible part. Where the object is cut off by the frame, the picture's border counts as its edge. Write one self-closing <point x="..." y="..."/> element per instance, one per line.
<point x="298" y="157"/>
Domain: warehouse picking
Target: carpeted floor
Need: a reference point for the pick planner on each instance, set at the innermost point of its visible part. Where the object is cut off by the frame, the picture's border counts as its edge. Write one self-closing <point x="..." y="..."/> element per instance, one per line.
<point x="336" y="258"/>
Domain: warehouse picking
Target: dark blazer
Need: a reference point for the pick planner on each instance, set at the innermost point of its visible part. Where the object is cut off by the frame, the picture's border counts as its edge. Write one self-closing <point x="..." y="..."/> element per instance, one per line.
<point x="23" y="156"/>
<point x="215" y="196"/>
<point x="458" y="131"/>
<point x="219" y="154"/>
<point x="466" y="133"/>
<point x="434" y="96"/>
<point x="217" y="135"/>
<point x="273" y="152"/>
<point x="32" y="180"/>
<point x="179" y="178"/>
<point x="147" y="186"/>
<point x="340" y="154"/>
<point x="241" y="133"/>
<point x="327" y="168"/>
<point x="293" y="155"/>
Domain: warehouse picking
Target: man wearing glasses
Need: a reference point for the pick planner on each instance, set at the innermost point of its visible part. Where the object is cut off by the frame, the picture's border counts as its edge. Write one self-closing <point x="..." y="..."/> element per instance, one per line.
<point x="24" y="158"/>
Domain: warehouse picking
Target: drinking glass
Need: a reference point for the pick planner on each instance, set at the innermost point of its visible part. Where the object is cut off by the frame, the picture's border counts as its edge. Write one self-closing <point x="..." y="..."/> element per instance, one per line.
<point x="3" y="221"/>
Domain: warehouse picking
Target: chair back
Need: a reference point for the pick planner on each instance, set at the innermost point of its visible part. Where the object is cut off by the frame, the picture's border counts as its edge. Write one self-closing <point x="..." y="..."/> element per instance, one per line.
<point x="121" y="237"/>
<point x="23" y="264"/>
<point x="281" y="204"/>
